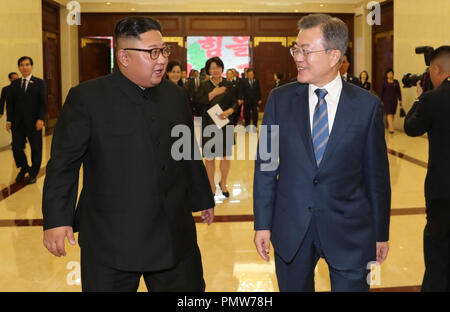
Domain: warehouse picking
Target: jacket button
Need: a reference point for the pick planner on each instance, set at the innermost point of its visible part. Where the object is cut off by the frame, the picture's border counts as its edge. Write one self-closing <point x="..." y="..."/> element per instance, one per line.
<point x="315" y="181"/>
<point x="309" y="209"/>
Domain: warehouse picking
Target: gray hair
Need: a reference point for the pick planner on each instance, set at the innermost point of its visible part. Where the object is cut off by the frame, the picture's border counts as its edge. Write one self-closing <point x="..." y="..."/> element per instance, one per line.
<point x="334" y="30"/>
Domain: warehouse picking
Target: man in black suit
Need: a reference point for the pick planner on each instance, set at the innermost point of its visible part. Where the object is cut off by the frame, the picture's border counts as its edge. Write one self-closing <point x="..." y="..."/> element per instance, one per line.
<point x="11" y="76"/>
<point x="429" y="114"/>
<point x="234" y="118"/>
<point x="193" y="83"/>
<point x="250" y="93"/>
<point x="346" y="76"/>
<point x="134" y="214"/>
<point x="26" y="108"/>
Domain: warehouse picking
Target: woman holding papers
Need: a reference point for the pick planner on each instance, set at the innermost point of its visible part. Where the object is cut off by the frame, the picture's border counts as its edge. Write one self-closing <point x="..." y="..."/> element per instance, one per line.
<point x="217" y="100"/>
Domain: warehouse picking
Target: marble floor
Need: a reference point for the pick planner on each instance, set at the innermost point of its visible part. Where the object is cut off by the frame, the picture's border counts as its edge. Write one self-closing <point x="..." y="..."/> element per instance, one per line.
<point x="230" y="260"/>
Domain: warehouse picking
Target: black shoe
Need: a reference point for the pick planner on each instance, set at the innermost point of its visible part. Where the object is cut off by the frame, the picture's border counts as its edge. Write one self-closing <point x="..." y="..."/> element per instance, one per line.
<point x="32" y="179"/>
<point x="21" y="175"/>
<point x="226" y="194"/>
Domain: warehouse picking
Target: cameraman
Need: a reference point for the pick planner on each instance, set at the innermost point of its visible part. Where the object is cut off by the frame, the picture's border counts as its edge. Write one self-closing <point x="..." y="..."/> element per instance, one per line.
<point x="430" y="113"/>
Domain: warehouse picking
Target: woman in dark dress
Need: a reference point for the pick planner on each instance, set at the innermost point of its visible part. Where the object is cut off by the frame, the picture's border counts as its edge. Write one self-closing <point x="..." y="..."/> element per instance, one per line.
<point x="390" y="97"/>
<point x="173" y="73"/>
<point x="214" y="91"/>
<point x="277" y="80"/>
<point x="364" y="78"/>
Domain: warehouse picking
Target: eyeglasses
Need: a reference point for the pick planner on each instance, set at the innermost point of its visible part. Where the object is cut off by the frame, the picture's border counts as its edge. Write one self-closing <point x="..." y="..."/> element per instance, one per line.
<point x="294" y="51"/>
<point x="154" y="53"/>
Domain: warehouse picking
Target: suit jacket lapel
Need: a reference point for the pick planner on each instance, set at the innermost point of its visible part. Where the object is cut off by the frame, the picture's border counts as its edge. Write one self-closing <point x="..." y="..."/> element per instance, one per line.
<point x="344" y="117"/>
<point x="300" y="105"/>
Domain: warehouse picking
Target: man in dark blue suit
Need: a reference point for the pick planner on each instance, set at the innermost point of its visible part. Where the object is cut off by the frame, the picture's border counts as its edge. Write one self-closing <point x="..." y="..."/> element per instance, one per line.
<point x="328" y="195"/>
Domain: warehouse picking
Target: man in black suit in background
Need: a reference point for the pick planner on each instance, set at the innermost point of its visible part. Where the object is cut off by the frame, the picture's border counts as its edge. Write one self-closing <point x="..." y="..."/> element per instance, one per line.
<point x="345" y="74"/>
<point x="26" y="108"/>
<point x="11" y="76"/>
<point x="429" y="114"/>
<point x="250" y="93"/>
<point x="134" y="213"/>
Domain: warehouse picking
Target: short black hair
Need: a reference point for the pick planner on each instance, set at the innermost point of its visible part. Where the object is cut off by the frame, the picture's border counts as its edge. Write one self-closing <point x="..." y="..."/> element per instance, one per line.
<point x="360" y="74"/>
<point x="216" y="60"/>
<point x="23" y="58"/>
<point x="134" y="26"/>
<point x="11" y="74"/>
<point x="388" y="71"/>
<point x="172" y="64"/>
<point x="250" y="70"/>
<point x="443" y="52"/>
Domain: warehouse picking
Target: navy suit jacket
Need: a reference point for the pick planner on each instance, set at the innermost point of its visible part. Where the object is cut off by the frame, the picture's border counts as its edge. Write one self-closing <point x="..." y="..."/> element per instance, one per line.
<point x="349" y="192"/>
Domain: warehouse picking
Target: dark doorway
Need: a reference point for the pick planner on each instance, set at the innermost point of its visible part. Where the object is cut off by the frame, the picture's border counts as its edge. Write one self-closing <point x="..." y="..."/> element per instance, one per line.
<point x="52" y="62"/>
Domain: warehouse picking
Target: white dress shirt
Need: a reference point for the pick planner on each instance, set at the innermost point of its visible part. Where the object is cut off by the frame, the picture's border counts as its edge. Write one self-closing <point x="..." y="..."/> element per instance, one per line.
<point x="334" y="89"/>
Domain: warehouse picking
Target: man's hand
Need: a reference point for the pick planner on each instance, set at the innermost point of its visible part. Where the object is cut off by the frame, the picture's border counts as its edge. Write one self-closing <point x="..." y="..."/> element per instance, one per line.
<point x="39" y="125"/>
<point x="259" y="102"/>
<point x="419" y="88"/>
<point x="208" y="216"/>
<point x="8" y="126"/>
<point x="54" y="239"/>
<point x="262" y="242"/>
<point x="382" y="251"/>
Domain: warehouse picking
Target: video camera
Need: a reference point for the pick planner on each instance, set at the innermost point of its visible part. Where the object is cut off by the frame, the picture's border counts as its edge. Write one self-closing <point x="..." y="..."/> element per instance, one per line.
<point x="410" y="80"/>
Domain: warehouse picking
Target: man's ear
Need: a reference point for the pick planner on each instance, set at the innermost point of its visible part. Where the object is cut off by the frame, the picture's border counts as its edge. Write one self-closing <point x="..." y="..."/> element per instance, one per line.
<point x="437" y="66"/>
<point x="335" y="57"/>
<point x="122" y="57"/>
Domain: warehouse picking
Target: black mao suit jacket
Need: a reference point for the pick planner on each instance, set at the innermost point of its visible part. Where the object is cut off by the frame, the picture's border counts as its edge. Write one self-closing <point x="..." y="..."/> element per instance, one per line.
<point x="135" y="209"/>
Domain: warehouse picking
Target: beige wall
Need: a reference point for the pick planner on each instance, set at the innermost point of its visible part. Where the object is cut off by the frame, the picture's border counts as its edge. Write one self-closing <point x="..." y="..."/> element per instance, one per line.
<point x="69" y="54"/>
<point x="417" y="23"/>
<point x="20" y="34"/>
<point x="362" y="58"/>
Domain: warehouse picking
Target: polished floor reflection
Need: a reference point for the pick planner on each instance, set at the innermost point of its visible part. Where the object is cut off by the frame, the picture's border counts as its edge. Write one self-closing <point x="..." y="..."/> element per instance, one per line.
<point x="230" y="261"/>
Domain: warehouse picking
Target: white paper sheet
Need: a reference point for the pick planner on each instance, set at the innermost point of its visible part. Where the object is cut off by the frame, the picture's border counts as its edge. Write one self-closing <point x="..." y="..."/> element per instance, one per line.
<point x="214" y="112"/>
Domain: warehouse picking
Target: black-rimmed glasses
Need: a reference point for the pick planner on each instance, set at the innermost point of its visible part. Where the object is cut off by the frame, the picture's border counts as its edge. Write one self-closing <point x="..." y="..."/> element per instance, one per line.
<point x="154" y="53"/>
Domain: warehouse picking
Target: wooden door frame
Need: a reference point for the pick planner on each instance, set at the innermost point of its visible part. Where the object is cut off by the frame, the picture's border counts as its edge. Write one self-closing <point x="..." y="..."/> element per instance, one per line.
<point x="55" y="33"/>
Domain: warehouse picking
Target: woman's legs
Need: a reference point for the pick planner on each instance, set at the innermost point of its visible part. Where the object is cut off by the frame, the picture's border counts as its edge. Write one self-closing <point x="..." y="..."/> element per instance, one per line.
<point x="390" y="121"/>
<point x="210" y="165"/>
<point x="224" y="169"/>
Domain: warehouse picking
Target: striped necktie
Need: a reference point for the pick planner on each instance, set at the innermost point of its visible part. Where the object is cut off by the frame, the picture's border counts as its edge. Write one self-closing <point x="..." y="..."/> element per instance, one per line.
<point x="320" y="126"/>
